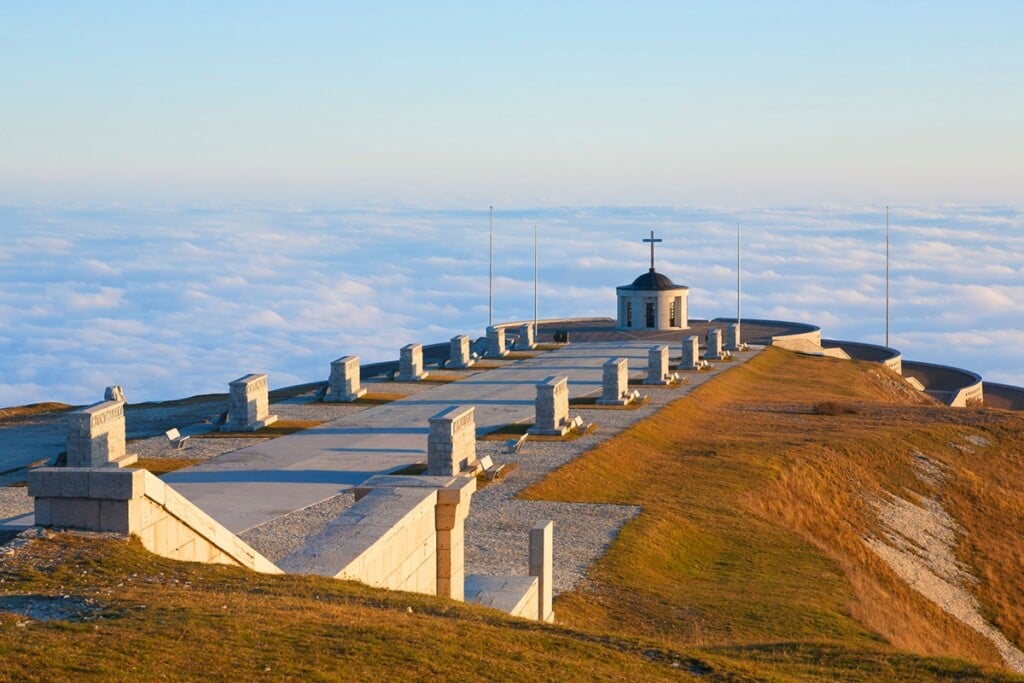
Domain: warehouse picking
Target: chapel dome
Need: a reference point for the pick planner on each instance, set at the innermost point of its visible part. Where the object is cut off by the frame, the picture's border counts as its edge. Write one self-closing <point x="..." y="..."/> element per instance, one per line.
<point x="653" y="281"/>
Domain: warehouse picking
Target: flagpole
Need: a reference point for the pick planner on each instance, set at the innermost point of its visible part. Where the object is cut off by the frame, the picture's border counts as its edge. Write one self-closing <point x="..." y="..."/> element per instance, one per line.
<point x="490" y="270"/>
<point x="738" y="281"/>
<point x="887" y="276"/>
<point x="535" y="279"/>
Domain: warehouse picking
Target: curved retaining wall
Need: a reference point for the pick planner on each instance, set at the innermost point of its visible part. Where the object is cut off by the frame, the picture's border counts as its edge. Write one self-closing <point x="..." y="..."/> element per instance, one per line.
<point x="875" y="353"/>
<point x="1003" y="396"/>
<point x="954" y="386"/>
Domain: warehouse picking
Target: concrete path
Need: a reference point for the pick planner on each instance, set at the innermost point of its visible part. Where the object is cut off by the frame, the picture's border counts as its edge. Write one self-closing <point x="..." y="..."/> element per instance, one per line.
<point x="249" y="487"/>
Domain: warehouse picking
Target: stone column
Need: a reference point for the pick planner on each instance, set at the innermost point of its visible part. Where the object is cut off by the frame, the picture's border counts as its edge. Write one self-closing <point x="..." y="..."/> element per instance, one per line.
<point x="657" y="365"/>
<point x="732" y="338"/>
<point x="615" y="382"/>
<point x="552" y="407"/>
<point x="459" y="353"/>
<point x="450" y="523"/>
<point x="714" y="341"/>
<point x="96" y="436"/>
<point x="541" y="547"/>
<point x="496" y="342"/>
<point x="526" y="337"/>
<point x="249" y="404"/>
<point x="691" y="353"/>
<point x="451" y="444"/>
<point x="410" y="363"/>
<point x="344" y="386"/>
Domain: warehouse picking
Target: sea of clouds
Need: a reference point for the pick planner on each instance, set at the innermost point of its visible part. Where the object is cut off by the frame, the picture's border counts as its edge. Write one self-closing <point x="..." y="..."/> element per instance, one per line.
<point x="171" y="302"/>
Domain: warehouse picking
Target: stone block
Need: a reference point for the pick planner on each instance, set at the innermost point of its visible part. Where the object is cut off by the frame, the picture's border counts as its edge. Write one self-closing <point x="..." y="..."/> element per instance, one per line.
<point x="344" y="384"/>
<point x="657" y="366"/>
<point x="59" y="482"/>
<point x="691" y="354"/>
<point x="732" y="338"/>
<point x="96" y="435"/>
<point x="551" y="407"/>
<point x="714" y="345"/>
<point x="451" y="442"/>
<point x="496" y="343"/>
<point x="115" y="517"/>
<point x="75" y="513"/>
<point x="526" y="337"/>
<point x="410" y="363"/>
<point x="116" y="484"/>
<point x="459" y="356"/>
<point x="249" y="404"/>
<point x="614" y="382"/>
<point x="43" y="516"/>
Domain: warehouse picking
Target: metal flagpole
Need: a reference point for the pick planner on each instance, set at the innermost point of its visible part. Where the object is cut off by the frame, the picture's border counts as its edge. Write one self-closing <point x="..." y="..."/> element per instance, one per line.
<point x="738" y="288"/>
<point x="490" y="271"/>
<point x="535" y="279"/>
<point x="887" y="276"/>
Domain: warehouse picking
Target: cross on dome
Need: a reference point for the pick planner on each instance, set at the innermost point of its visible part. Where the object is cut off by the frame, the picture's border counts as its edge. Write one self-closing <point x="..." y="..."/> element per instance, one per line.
<point x="652" y="240"/>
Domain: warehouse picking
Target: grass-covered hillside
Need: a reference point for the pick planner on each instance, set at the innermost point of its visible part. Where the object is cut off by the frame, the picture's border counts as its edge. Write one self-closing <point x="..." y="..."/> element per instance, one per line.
<point x="785" y="506"/>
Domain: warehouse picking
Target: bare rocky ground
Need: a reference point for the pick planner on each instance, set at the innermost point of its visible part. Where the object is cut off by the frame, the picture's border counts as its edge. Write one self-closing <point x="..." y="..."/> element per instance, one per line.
<point x="920" y="546"/>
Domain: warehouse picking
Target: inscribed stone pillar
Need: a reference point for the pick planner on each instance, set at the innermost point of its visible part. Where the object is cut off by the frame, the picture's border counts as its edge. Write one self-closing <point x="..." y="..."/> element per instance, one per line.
<point x="451" y="443"/>
<point x="615" y="382"/>
<point x="249" y="404"/>
<point x="552" y="407"/>
<point x="526" y="338"/>
<point x="96" y="436"/>
<point x="410" y="363"/>
<point x="732" y="338"/>
<point x="691" y="353"/>
<point x="541" y="556"/>
<point x="344" y="386"/>
<point x="714" y="341"/>
<point x="496" y="342"/>
<point x="459" y="353"/>
<point x="657" y="365"/>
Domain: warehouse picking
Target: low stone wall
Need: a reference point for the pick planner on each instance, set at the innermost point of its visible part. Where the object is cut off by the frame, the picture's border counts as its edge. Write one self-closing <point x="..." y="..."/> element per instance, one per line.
<point x="387" y="539"/>
<point x="131" y="501"/>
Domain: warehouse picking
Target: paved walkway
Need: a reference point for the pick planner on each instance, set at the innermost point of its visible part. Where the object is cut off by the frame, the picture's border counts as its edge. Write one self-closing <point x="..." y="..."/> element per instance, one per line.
<point x="252" y="486"/>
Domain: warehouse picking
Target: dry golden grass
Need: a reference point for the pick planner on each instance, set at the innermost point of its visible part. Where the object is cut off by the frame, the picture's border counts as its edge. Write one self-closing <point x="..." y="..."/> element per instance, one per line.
<point x="273" y="431"/>
<point x="753" y="489"/>
<point x="32" y="409"/>
<point x="159" y="466"/>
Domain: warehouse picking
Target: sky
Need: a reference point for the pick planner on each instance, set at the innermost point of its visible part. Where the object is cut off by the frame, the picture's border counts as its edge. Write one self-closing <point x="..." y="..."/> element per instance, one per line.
<point x="515" y="104"/>
<point x="193" y="191"/>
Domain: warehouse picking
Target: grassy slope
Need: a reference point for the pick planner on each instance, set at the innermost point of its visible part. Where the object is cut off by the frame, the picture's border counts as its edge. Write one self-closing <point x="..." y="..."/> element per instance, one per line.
<point x="745" y="564"/>
<point x="754" y="512"/>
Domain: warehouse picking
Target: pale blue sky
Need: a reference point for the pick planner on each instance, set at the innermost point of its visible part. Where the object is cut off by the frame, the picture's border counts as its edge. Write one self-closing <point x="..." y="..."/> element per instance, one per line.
<point x="525" y="104"/>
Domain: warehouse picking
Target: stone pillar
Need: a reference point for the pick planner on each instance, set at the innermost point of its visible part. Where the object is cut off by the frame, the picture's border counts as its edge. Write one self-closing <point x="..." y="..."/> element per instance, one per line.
<point x="459" y="355"/>
<point x="96" y="436"/>
<point x="615" y="382"/>
<point x="657" y="365"/>
<point x="249" y="404"/>
<point x="344" y="382"/>
<point x="732" y="338"/>
<point x="496" y="342"/>
<point x="541" y="547"/>
<point x="451" y="444"/>
<point x="410" y="363"/>
<point x="714" y="341"/>
<point x="526" y="337"/>
<point x="450" y="523"/>
<point x="691" y="354"/>
<point x="552" y="407"/>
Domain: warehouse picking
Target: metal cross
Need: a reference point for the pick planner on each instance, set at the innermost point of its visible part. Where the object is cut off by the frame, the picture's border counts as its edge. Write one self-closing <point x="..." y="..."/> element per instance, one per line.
<point x="652" y="240"/>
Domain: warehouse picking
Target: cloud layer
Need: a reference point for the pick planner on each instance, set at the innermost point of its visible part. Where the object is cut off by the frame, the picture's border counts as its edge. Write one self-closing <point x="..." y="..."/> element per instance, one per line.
<point x="174" y="302"/>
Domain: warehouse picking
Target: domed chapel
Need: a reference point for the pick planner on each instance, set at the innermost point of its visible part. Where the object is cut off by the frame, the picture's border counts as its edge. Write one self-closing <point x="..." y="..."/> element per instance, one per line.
<point x="652" y="301"/>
